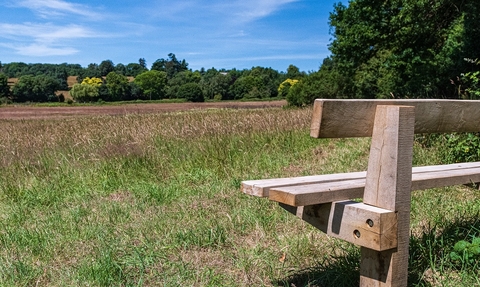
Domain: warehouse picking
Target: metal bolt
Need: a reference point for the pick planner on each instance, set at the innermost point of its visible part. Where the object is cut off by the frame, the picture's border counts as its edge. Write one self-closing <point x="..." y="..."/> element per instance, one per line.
<point x="356" y="233"/>
<point x="370" y="222"/>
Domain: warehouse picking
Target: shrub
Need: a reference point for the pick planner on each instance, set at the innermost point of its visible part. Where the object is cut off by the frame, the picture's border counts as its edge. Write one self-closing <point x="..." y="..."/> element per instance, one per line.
<point x="461" y="147"/>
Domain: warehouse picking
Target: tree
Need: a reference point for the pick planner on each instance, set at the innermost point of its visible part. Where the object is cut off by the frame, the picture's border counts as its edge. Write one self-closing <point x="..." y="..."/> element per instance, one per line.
<point x="118" y="88"/>
<point x="403" y="48"/>
<point x="142" y="63"/>
<point x="180" y="79"/>
<point x="106" y="67"/>
<point x="39" y="88"/>
<point x="216" y="84"/>
<point x="134" y="69"/>
<point x="256" y="83"/>
<point x="4" y="88"/>
<point x="191" y="92"/>
<point x="152" y="84"/>
<point x="171" y="66"/>
<point x="293" y="72"/>
<point x="85" y="92"/>
<point x="327" y="83"/>
<point x="121" y="69"/>
<point x="285" y="87"/>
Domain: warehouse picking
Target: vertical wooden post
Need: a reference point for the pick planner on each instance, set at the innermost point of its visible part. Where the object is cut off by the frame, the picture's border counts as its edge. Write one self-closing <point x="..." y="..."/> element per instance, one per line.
<point x="388" y="185"/>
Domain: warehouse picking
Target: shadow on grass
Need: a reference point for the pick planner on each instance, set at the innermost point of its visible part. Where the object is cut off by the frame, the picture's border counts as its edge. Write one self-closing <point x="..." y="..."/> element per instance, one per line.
<point x="427" y="252"/>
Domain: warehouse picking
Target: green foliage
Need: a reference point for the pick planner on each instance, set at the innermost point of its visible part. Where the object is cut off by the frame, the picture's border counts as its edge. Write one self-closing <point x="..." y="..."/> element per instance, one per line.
<point x="258" y="83"/>
<point x="106" y="67"/>
<point x="134" y="69"/>
<point x="469" y="83"/>
<point x="403" y="48"/>
<point x="118" y="88"/>
<point x="325" y="84"/>
<point x="39" y="88"/>
<point x="461" y="147"/>
<point x="171" y="66"/>
<point x="293" y="72"/>
<point x="152" y="84"/>
<point x="285" y="87"/>
<point x="216" y="84"/>
<point x="4" y="88"/>
<point x="180" y="79"/>
<point x="85" y="92"/>
<point x="254" y="83"/>
<point x="191" y="92"/>
<point x="465" y="252"/>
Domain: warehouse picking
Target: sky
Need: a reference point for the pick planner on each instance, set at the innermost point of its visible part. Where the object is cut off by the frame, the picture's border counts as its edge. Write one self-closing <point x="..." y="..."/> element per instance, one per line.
<point x="229" y="34"/>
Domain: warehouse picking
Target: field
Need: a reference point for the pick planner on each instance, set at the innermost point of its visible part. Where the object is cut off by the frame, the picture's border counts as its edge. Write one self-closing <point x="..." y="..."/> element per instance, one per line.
<point x="147" y="198"/>
<point x="30" y="112"/>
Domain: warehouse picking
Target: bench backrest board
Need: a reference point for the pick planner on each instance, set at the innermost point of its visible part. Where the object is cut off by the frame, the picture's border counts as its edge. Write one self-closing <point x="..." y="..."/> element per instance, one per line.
<point x="334" y="118"/>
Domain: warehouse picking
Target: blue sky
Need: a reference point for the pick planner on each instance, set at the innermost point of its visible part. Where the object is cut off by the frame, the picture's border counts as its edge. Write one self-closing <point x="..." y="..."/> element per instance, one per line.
<point x="206" y="33"/>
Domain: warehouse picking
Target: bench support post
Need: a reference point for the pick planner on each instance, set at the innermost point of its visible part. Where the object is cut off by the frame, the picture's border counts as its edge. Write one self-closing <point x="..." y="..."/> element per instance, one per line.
<point x="388" y="185"/>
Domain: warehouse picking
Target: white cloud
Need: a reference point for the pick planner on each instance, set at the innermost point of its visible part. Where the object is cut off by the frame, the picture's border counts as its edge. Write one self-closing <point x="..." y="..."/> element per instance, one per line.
<point x="43" y="39"/>
<point x="49" y="8"/>
<point x="215" y="11"/>
<point x="254" y="9"/>
<point x="41" y="50"/>
<point x="46" y="32"/>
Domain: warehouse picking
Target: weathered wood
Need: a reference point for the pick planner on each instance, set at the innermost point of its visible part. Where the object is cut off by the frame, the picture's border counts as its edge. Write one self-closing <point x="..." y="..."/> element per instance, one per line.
<point x="388" y="186"/>
<point x="261" y="187"/>
<point x="355" y="222"/>
<point x="387" y="183"/>
<point x="354" y="118"/>
<point x="422" y="178"/>
<point x="431" y="177"/>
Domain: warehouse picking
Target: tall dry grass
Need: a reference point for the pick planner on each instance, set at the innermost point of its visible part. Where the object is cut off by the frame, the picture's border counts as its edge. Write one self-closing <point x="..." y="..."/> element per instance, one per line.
<point x="154" y="199"/>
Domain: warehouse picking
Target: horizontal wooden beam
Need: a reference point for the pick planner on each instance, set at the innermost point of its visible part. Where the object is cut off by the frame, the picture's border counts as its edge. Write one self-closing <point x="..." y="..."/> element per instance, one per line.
<point x="354" y="118"/>
<point x="358" y="223"/>
<point x="261" y="187"/>
<point x="433" y="173"/>
<point x="334" y="191"/>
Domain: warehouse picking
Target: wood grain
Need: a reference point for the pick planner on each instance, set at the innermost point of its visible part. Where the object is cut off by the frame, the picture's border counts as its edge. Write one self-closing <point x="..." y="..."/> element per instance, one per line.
<point x="354" y="118"/>
<point x="327" y="191"/>
<point x="347" y="219"/>
<point x="388" y="186"/>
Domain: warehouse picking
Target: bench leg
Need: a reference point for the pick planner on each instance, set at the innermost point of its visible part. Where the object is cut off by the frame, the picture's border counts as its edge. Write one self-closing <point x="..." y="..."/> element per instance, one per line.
<point x="387" y="186"/>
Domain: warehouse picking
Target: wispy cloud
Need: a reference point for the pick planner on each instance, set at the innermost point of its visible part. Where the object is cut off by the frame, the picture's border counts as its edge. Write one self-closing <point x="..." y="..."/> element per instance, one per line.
<point x="250" y="10"/>
<point x="41" y="50"/>
<point x="49" y="8"/>
<point x="46" y="32"/>
<point x="237" y="11"/>
<point x="43" y="39"/>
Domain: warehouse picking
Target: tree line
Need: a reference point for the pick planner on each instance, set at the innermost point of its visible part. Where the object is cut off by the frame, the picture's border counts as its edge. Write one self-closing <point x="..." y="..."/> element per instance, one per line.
<point x="379" y="49"/>
<point x="168" y="78"/>
<point x="399" y="49"/>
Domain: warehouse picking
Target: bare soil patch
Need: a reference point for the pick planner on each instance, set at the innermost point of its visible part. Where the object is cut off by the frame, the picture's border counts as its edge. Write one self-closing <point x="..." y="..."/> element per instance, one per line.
<point x="26" y="112"/>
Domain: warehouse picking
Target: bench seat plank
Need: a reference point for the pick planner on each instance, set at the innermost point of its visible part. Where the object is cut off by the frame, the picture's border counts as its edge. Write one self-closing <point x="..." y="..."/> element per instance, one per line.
<point x="318" y="193"/>
<point x="262" y="187"/>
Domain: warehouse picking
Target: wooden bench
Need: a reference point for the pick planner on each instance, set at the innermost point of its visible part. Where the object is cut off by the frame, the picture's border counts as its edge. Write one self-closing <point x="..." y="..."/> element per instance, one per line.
<point x="381" y="223"/>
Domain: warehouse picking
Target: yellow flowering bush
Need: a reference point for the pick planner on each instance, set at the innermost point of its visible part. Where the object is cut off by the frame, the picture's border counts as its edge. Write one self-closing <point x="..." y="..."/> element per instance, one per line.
<point x="285" y="86"/>
<point x="93" y="81"/>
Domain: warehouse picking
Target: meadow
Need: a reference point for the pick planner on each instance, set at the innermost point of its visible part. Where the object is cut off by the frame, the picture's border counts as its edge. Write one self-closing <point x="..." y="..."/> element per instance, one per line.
<point x="154" y="200"/>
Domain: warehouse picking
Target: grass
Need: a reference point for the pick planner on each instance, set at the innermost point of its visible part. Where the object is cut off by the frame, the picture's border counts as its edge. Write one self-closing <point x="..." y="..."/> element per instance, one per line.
<point x="153" y="200"/>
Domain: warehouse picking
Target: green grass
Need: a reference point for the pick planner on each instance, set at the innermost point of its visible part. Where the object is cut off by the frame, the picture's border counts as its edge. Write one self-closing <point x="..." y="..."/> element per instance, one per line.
<point x="154" y="200"/>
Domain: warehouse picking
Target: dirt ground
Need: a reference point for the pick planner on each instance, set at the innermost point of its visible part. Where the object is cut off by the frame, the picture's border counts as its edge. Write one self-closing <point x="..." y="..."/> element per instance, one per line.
<point x="25" y="112"/>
